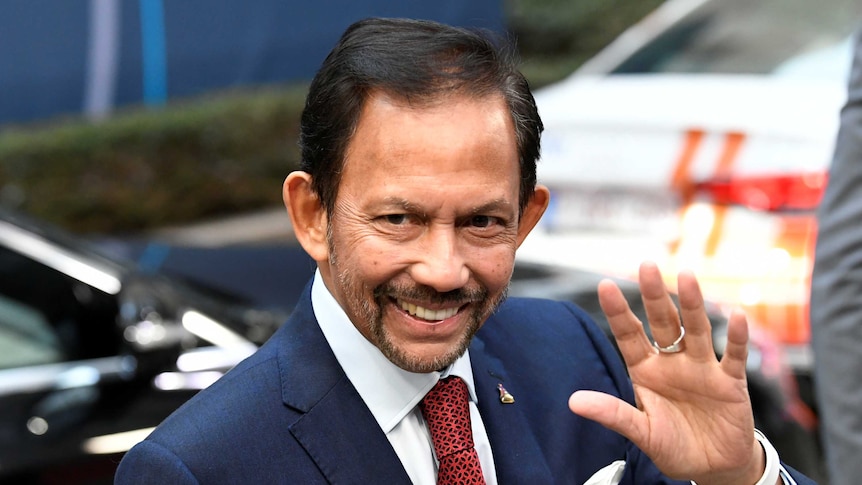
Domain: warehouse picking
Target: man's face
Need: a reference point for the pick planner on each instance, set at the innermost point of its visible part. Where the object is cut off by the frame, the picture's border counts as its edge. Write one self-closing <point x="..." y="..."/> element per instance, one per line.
<point x="425" y="225"/>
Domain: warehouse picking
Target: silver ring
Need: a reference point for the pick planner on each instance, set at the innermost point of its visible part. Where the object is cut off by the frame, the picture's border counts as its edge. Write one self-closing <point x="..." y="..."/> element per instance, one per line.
<point x="675" y="346"/>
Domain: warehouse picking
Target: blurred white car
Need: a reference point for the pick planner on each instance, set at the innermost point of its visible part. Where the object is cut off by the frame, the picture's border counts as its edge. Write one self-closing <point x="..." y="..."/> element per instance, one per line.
<point x="700" y="139"/>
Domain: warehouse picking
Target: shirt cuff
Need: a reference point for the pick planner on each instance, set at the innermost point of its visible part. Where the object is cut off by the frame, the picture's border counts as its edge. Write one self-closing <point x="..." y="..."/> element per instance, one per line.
<point x="773" y="469"/>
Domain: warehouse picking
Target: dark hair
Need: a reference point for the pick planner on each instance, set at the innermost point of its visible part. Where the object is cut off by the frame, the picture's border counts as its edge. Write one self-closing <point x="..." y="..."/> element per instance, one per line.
<point x="419" y="61"/>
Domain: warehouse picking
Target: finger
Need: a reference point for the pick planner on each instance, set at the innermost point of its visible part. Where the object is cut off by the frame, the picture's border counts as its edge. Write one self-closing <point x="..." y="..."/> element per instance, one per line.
<point x="611" y="412"/>
<point x="698" y="331"/>
<point x="661" y="311"/>
<point x="627" y="329"/>
<point x="736" y="352"/>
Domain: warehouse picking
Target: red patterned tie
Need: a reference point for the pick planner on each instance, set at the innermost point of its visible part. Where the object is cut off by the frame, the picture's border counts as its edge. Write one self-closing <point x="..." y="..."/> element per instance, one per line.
<point x="446" y="410"/>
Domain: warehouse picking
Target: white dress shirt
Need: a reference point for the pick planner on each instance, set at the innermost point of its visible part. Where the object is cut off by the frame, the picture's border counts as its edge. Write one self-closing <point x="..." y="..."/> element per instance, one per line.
<point x="392" y="394"/>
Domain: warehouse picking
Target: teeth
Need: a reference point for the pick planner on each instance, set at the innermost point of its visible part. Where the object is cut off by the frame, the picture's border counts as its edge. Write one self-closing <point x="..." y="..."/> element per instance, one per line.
<point x="427" y="314"/>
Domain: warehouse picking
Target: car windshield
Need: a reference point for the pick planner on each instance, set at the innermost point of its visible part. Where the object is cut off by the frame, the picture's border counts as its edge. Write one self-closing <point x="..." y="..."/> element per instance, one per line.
<point x="797" y="38"/>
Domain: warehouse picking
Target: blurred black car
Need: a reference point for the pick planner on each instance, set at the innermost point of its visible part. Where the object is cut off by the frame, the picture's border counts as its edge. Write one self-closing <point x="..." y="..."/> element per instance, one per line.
<point x="95" y="351"/>
<point x="98" y="344"/>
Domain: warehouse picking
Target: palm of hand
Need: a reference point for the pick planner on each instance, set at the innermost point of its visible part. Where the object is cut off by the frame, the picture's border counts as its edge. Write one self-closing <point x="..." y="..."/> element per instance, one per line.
<point x="691" y="412"/>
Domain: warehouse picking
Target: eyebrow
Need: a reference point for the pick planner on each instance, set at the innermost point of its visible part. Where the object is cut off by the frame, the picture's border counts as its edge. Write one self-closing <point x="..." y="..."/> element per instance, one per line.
<point x="400" y="203"/>
<point x="496" y="205"/>
<point x="500" y="205"/>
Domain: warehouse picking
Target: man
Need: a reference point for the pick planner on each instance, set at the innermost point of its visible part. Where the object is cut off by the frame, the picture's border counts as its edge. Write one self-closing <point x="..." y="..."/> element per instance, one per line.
<point x="418" y="183"/>
<point x="836" y="309"/>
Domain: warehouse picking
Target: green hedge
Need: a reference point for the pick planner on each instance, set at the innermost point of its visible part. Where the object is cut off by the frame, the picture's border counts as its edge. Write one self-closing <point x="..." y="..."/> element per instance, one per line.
<point x="148" y="168"/>
<point x="228" y="153"/>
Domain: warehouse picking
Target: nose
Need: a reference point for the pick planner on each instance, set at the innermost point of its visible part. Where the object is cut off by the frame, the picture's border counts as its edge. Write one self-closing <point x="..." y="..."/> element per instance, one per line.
<point x="439" y="262"/>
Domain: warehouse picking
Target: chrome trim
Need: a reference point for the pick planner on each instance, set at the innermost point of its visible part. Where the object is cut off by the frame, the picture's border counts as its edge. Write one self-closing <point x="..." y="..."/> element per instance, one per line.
<point x="67" y="375"/>
<point x="62" y="260"/>
<point x="116" y="442"/>
<point x="213" y="358"/>
<point x="212" y="330"/>
<point x="186" y="381"/>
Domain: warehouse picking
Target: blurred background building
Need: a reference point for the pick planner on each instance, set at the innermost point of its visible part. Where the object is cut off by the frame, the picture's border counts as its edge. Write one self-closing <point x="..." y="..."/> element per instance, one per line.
<point x="88" y="56"/>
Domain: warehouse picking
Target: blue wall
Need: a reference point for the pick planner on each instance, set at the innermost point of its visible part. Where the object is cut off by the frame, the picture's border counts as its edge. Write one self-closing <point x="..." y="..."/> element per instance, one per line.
<point x="89" y="56"/>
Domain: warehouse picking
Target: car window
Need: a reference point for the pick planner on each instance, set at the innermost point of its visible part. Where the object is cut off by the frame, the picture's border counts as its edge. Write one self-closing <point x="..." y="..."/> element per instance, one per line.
<point x="26" y="337"/>
<point x="786" y="37"/>
<point x="32" y="304"/>
<point x="47" y="316"/>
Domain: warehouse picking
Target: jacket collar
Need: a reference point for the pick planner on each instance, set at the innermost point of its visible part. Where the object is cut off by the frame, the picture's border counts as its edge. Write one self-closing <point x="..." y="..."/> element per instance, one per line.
<point x="334" y="419"/>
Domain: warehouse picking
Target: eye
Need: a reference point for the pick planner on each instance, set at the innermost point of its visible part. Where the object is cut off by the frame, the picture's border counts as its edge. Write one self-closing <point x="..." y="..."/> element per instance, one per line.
<point x="483" y="221"/>
<point x="396" y="219"/>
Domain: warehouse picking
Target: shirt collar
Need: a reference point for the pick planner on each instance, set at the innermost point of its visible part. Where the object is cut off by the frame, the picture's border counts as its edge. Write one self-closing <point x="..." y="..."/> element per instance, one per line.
<point x="389" y="391"/>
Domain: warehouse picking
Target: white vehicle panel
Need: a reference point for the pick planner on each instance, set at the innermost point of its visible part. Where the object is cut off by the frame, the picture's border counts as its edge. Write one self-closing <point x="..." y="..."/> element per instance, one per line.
<point x="631" y="131"/>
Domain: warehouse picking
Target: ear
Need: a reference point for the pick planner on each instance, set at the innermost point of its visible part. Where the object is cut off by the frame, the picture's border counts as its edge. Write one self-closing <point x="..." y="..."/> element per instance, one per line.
<point x="533" y="212"/>
<point x="306" y="214"/>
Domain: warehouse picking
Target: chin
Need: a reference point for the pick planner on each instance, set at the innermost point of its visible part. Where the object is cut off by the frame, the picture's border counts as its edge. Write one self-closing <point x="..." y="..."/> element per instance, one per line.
<point x="427" y="358"/>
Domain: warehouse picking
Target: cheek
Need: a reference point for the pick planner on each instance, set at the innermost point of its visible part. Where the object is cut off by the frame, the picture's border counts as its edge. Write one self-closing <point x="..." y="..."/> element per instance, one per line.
<point x="494" y="266"/>
<point x="366" y="255"/>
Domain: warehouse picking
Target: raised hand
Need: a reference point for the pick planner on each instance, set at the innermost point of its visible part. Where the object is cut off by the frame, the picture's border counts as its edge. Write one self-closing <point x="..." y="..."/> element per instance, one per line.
<point x="693" y="416"/>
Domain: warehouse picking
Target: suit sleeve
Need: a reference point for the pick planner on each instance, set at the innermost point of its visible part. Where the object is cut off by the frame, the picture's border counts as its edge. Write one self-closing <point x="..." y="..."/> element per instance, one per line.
<point x="836" y="286"/>
<point x="148" y="463"/>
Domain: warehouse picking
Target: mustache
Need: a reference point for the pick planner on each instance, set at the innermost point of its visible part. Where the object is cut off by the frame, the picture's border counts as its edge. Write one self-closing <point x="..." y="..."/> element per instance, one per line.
<point x="426" y="293"/>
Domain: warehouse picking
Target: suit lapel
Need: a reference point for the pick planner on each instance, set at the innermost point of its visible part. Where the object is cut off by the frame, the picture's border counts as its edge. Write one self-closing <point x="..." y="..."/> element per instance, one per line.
<point x="337" y="429"/>
<point x="517" y="455"/>
<point x="342" y="437"/>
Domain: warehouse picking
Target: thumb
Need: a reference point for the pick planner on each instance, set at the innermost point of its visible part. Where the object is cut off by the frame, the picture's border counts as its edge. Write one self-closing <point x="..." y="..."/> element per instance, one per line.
<point x="609" y="411"/>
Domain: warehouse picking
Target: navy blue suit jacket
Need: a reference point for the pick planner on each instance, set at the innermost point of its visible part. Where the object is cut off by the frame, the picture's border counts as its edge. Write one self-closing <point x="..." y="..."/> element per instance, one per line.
<point x="288" y="414"/>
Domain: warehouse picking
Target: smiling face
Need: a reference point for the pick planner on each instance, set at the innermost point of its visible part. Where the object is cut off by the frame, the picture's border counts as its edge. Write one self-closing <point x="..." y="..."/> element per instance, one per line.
<point x="421" y="242"/>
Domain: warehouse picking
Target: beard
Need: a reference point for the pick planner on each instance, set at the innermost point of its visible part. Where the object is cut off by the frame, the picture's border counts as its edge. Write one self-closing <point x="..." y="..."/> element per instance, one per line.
<point x="367" y="306"/>
<point x="483" y="307"/>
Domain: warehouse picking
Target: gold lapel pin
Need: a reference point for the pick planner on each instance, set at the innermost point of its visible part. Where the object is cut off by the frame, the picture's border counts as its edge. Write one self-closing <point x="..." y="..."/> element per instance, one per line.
<point x="505" y="397"/>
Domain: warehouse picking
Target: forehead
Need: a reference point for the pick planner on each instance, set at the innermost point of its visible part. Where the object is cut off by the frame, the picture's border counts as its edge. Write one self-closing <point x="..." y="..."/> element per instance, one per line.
<point x="458" y="133"/>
